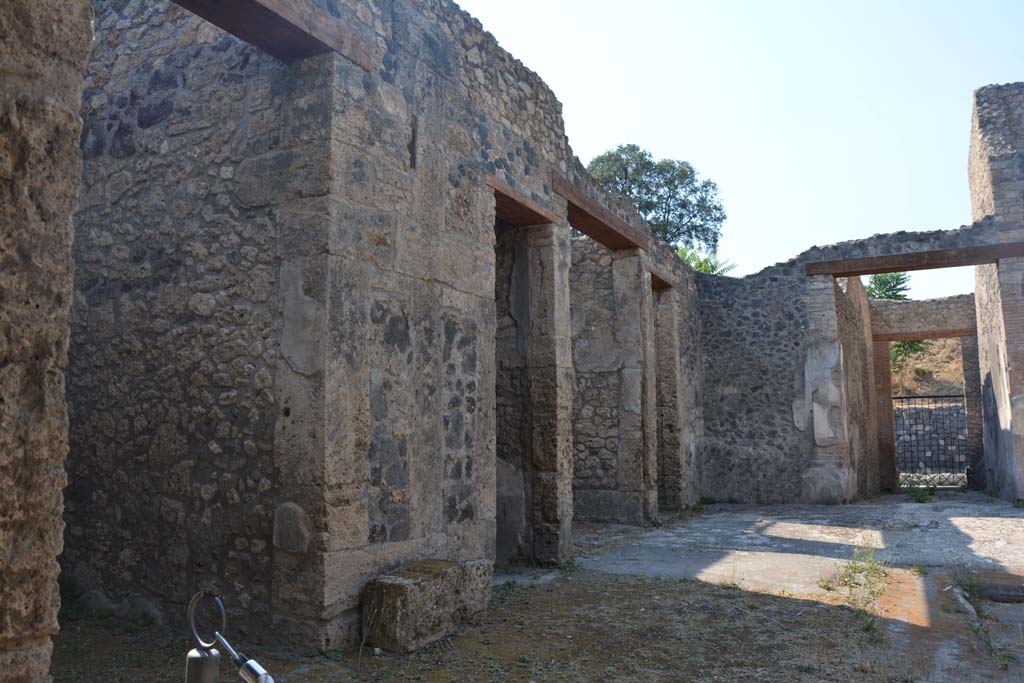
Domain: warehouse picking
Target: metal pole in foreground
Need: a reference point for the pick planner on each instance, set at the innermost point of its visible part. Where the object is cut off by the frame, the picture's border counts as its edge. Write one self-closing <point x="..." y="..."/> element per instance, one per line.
<point x="202" y="664"/>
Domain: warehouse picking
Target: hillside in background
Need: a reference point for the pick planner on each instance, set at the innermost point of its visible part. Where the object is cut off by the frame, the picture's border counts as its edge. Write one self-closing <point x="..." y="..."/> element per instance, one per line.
<point x="935" y="372"/>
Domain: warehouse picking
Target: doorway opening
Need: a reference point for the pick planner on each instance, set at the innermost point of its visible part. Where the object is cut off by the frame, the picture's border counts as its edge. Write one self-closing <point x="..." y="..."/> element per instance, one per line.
<point x="931" y="440"/>
<point x="513" y="466"/>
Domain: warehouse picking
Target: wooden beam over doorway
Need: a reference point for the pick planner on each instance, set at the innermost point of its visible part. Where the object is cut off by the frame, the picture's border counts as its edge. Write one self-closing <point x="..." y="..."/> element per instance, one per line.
<point x="594" y="220"/>
<point x="926" y="334"/>
<point x="659" y="280"/>
<point x="287" y="29"/>
<point x="920" y="260"/>
<point x="516" y="208"/>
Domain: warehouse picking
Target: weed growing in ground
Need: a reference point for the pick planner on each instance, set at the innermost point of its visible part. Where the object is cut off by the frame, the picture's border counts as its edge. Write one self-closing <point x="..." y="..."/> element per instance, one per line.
<point x="920" y="494"/>
<point x="864" y="576"/>
<point x="870" y="627"/>
<point x="509" y="589"/>
<point x="971" y="583"/>
<point x="138" y="622"/>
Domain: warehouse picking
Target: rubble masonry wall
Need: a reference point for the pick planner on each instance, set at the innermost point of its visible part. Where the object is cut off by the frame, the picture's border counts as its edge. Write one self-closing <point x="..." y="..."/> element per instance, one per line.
<point x="614" y="417"/>
<point x="283" y="378"/>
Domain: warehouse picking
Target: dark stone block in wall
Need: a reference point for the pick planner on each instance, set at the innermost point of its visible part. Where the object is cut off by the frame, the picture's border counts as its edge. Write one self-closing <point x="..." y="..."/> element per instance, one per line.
<point x="152" y="114"/>
<point x="122" y="144"/>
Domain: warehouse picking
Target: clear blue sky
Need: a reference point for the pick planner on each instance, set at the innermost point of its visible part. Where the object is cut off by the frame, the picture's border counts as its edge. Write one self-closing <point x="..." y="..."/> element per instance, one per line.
<point x="821" y="121"/>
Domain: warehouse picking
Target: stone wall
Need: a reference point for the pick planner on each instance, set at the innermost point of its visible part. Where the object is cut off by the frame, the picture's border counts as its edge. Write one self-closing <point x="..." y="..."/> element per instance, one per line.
<point x="754" y="333"/>
<point x="773" y="397"/>
<point x="923" y="319"/>
<point x="193" y="311"/>
<point x="936" y="437"/>
<point x="42" y="57"/>
<point x="286" y="297"/>
<point x="996" y="159"/>
<point x="854" y="316"/>
<point x="614" y="417"/>
<point x="996" y="173"/>
<point x="775" y="384"/>
<point x="974" y="403"/>
<point x="679" y="351"/>
<point x="294" y="352"/>
<point x="1000" y="452"/>
<point x="284" y="375"/>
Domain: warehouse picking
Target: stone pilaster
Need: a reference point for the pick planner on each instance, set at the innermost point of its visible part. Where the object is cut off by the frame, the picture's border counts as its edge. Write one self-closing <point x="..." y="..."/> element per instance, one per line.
<point x="42" y="57"/>
<point x="826" y="479"/>
<point x="673" y="470"/>
<point x="973" y="404"/>
<point x="887" y="473"/>
<point x="549" y="372"/>
<point x="634" y="331"/>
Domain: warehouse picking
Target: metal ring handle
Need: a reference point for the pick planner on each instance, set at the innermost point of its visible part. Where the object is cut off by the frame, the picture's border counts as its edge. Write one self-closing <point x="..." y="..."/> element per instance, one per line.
<point x="196" y="599"/>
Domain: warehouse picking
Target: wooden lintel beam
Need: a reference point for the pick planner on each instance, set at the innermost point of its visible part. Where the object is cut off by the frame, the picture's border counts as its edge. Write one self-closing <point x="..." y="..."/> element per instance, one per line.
<point x="516" y="208"/>
<point x="287" y="29"/>
<point x="597" y="222"/>
<point x="921" y="260"/>
<point x="926" y="334"/>
<point x="659" y="280"/>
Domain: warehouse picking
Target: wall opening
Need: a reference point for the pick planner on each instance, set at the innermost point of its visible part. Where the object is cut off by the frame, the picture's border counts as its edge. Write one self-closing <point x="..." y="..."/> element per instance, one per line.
<point x="931" y="440"/>
<point x="927" y="390"/>
<point x="512" y="397"/>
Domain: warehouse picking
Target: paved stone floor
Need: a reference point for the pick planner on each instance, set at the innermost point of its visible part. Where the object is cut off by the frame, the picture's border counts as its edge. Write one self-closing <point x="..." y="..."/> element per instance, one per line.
<point x="792" y="548"/>
<point x="798" y="550"/>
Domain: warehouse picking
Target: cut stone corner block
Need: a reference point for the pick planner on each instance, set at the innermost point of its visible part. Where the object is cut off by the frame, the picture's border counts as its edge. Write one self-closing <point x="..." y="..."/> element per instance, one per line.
<point x="423" y="602"/>
<point x="825" y="483"/>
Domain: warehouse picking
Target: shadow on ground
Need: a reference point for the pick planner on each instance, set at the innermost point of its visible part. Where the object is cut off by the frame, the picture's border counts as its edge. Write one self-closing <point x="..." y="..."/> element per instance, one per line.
<point x="630" y="609"/>
<point x="584" y="626"/>
<point x="929" y="548"/>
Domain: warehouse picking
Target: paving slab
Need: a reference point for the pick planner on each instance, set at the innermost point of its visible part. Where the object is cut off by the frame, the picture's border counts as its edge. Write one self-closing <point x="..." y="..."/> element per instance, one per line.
<point x="791" y="548"/>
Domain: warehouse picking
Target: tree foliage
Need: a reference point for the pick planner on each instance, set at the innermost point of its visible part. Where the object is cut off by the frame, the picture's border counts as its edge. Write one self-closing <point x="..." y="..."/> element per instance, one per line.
<point x="680" y="207"/>
<point x="704" y="263"/>
<point x="894" y="286"/>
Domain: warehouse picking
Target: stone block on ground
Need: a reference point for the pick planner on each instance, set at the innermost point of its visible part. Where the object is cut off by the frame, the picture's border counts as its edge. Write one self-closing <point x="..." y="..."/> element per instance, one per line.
<point x="423" y="602"/>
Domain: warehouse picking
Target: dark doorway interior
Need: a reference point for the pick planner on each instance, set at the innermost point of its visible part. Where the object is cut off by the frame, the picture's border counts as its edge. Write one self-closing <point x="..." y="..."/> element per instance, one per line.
<point x="513" y="451"/>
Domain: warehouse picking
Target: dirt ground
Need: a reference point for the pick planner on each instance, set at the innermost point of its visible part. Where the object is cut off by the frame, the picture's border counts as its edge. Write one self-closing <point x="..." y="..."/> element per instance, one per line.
<point x="583" y="626"/>
<point x="938" y="370"/>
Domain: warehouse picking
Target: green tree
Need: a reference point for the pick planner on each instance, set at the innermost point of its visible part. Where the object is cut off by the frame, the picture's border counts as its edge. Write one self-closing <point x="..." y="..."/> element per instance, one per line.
<point x="894" y="286"/>
<point x="704" y="263"/>
<point x="680" y="207"/>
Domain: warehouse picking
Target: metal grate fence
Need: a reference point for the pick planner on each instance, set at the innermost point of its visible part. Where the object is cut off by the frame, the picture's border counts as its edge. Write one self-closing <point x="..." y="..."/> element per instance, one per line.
<point x="931" y="440"/>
